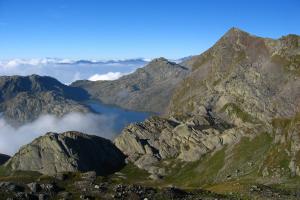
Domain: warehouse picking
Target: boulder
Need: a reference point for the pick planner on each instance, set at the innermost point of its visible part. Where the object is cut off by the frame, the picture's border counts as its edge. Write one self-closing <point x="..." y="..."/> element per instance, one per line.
<point x="68" y="152"/>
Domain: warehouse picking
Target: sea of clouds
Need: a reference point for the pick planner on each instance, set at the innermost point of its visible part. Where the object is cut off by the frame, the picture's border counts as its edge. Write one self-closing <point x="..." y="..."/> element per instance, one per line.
<point x="68" y="71"/>
<point x="12" y="138"/>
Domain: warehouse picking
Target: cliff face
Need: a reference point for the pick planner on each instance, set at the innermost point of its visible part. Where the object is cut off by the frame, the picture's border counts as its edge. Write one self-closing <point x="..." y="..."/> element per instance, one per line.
<point x="23" y="99"/>
<point x="147" y="89"/>
<point x="238" y="110"/>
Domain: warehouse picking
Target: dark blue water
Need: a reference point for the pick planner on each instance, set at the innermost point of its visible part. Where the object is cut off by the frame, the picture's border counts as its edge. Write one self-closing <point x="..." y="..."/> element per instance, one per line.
<point x="122" y="117"/>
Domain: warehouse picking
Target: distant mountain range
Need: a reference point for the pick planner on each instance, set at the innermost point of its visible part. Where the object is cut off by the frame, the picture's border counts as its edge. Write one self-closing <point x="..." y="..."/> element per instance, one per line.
<point x="47" y="61"/>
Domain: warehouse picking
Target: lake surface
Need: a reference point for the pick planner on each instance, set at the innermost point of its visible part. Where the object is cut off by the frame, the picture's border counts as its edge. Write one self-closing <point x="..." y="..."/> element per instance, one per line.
<point x="121" y="117"/>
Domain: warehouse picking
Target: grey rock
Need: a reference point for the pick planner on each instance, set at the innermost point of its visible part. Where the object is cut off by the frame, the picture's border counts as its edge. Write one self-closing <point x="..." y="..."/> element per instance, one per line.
<point x="69" y="151"/>
<point x="11" y="187"/>
<point x="34" y="187"/>
<point x="25" y="98"/>
<point x="158" y="138"/>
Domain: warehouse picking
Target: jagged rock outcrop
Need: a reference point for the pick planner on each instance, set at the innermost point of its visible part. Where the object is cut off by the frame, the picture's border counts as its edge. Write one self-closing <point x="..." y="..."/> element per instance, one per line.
<point x="3" y="158"/>
<point x="25" y="98"/>
<point x="147" y="89"/>
<point x="186" y="139"/>
<point x="69" y="151"/>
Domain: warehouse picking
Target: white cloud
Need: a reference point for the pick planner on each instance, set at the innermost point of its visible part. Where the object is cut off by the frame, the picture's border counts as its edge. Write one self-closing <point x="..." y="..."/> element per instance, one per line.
<point x="32" y="62"/>
<point x="67" y="71"/>
<point x="11" y="139"/>
<point x="107" y="77"/>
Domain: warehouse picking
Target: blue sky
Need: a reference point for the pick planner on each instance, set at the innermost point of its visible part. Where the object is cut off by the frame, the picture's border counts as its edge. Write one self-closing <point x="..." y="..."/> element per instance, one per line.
<point x="105" y="29"/>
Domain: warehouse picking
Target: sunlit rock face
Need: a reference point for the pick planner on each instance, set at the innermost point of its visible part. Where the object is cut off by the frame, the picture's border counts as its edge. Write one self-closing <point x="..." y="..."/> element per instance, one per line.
<point x="69" y="151"/>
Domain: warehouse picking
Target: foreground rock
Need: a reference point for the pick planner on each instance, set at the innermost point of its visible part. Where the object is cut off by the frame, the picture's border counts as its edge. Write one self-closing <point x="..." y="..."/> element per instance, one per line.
<point x="103" y="190"/>
<point x="69" y="151"/>
<point x="158" y="138"/>
<point x="3" y="158"/>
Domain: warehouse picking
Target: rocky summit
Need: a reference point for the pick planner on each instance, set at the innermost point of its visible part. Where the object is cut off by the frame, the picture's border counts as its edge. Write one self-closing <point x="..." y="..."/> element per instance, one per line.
<point x="25" y="98"/>
<point x="147" y="89"/>
<point x="67" y="152"/>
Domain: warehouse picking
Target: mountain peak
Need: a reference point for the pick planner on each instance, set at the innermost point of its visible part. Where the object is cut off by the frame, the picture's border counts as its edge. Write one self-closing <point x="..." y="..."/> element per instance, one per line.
<point x="234" y="31"/>
<point x="160" y="59"/>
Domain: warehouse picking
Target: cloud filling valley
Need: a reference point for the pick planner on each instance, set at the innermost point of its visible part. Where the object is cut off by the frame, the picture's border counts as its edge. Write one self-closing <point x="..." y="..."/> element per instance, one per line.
<point x="12" y="138"/>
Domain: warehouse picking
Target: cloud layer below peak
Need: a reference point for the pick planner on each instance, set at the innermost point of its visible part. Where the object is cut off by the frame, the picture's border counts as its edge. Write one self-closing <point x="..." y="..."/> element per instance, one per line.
<point x="68" y="71"/>
<point x="11" y="138"/>
<point x="107" y="77"/>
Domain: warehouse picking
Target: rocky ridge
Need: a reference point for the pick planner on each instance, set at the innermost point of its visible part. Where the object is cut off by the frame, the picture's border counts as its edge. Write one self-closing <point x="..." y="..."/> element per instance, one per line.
<point x="67" y="152"/>
<point x="147" y="89"/>
<point x="25" y="98"/>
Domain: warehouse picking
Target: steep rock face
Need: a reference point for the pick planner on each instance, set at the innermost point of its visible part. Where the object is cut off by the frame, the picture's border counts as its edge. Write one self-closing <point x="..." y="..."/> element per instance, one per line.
<point x="69" y="151"/>
<point x="3" y="158"/>
<point x="23" y="99"/>
<point x="147" y="89"/>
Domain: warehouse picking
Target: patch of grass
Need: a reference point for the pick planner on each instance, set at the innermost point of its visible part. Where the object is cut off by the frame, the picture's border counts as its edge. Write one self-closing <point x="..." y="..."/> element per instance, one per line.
<point x="129" y="174"/>
<point x="233" y="109"/>
<point x="291" y="63"/>
<point x="245" y="158"/>
<point x="3" y="171"/>
<point x="239" y="188"/>
<point x="277" y="158"/>
<point x="198" y="173"/>
<point x="19" y="176"/>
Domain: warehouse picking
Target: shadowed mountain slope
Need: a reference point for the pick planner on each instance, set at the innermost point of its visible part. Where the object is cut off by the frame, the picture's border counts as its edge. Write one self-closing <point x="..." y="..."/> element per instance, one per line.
<point x="24" y="98"/>
<point x="147" y="89"/>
